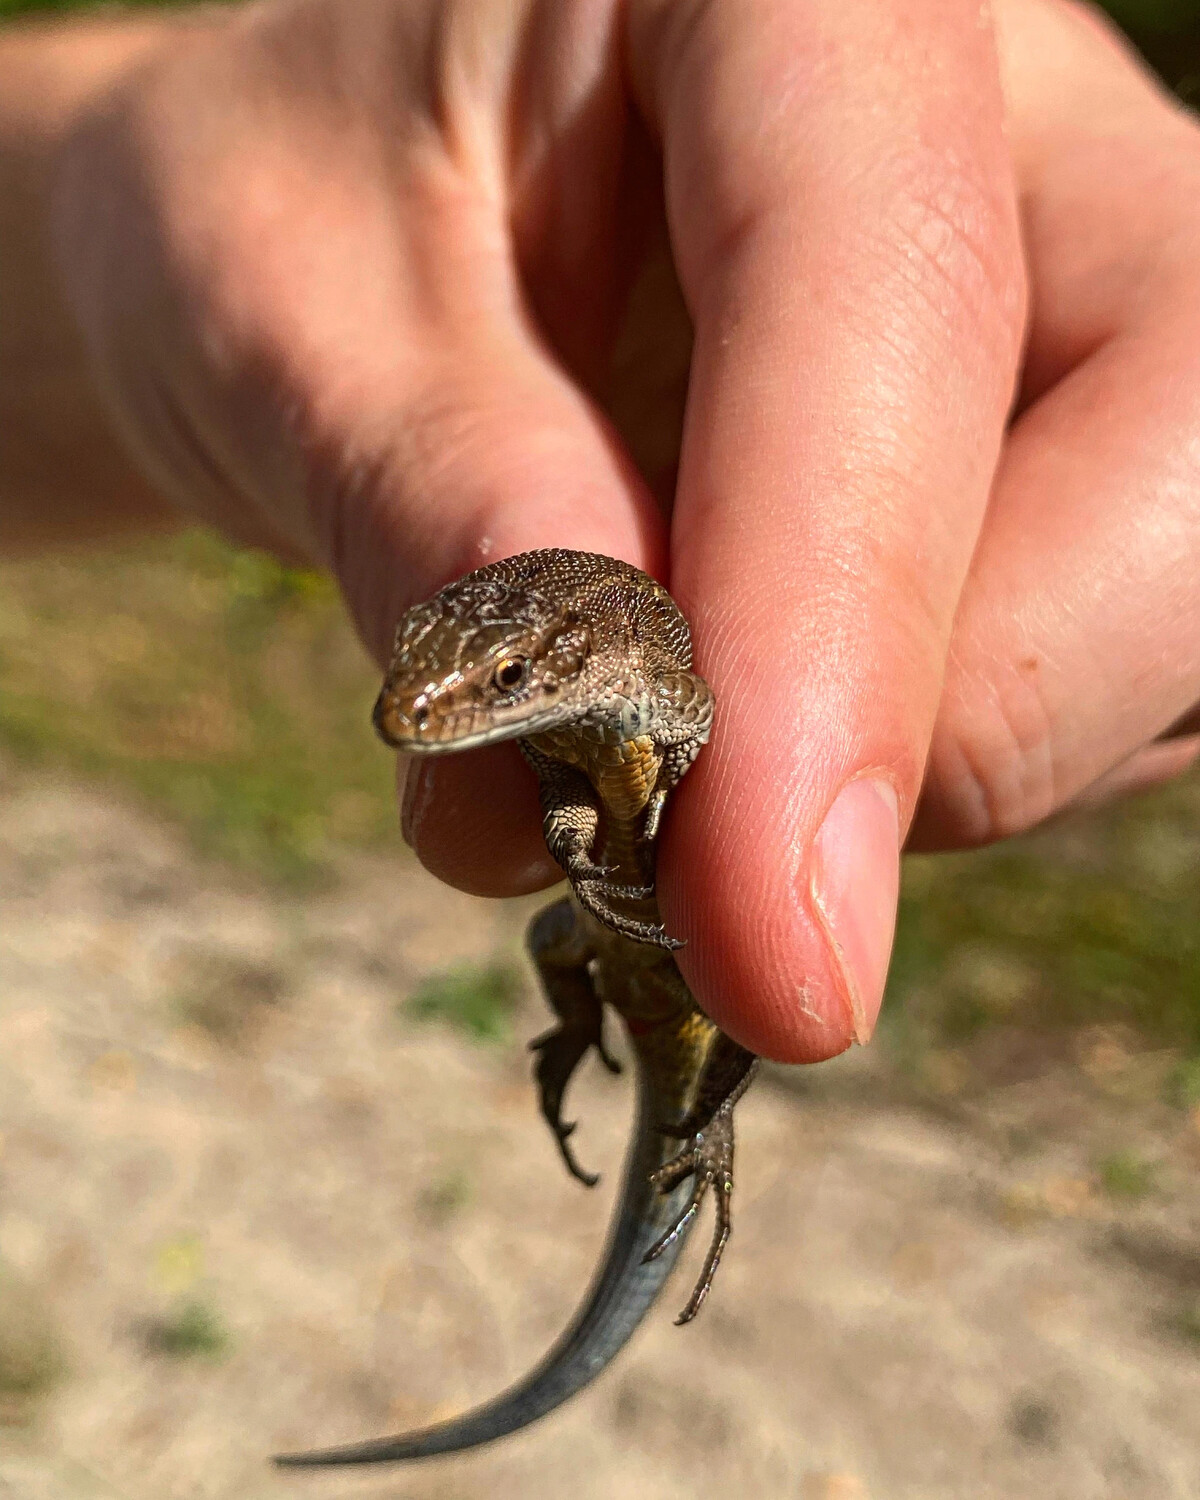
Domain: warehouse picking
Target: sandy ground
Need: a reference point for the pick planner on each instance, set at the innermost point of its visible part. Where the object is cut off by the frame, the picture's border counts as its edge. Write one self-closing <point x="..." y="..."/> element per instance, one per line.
<point x="208" y="1098"/>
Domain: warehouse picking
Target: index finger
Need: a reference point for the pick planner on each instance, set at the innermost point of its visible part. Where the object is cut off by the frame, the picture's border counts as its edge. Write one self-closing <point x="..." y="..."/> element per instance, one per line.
<point x="845" y="230"/>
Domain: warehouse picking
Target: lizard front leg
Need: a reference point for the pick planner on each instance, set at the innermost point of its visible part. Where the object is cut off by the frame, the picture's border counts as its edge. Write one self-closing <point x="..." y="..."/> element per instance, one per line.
<point x="570" y="825"/>
<point x="562" y="953"/>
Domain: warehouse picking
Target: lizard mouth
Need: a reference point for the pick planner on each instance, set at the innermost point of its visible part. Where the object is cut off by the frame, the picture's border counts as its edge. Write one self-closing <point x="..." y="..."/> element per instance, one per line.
<point x="416" y="727"/>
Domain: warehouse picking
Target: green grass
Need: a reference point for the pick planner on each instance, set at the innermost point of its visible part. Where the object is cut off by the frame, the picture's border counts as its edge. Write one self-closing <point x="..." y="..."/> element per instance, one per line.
<point x="14" y="8"/>
<point x="477" y="1000"/>
<point x="446" y="1197"/>
<point x="1184" y="1322"/>
<point x="31" y="1355"/>
<point x="1096" y="918"/>
<point x="1184" y="1084"/>
<point x="193" y="1330"/>
<point x="224" y="688"/>
<point x="1124" y="1174"/>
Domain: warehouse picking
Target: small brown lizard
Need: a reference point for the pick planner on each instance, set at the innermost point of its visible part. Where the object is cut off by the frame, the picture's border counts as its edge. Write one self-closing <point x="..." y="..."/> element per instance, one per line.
<point x="586" y="663"/>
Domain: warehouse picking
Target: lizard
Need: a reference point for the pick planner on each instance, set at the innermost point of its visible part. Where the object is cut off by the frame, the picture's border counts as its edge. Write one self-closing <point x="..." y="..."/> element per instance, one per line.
<point x="586" y="662"/>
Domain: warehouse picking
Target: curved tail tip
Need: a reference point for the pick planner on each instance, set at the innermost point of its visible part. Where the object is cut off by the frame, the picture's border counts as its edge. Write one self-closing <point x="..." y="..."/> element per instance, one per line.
<point x="320" y="1458"/>
<point x="297" y="1460"/>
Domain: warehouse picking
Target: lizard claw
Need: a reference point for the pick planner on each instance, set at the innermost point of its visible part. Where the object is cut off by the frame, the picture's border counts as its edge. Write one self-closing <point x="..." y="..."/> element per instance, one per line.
<point x="582" y="871"/>
<point x="580" y="867"/>
<point x="562" y="1131"/>
<point x="596" y="902"/>
<point x="560" y="1051"/>
<point x="632" y="892"/>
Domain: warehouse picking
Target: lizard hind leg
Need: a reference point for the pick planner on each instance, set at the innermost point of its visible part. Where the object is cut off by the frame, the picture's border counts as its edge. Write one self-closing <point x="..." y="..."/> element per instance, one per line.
<point x="728" y="1072"/>
<point x="562" y="956"/>
<point x="708" y="1158"/>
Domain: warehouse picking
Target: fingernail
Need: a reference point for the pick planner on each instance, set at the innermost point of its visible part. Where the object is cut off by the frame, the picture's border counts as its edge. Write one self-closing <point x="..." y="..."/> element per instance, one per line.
<point x="856" y="884"/>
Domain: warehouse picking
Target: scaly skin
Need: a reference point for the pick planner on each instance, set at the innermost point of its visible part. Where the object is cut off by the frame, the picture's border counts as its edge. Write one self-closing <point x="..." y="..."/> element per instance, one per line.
<point x="586" y="662"/>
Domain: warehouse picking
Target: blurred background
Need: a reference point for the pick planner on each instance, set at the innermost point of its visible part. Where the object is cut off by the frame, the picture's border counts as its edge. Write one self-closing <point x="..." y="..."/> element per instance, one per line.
<point x="271" y="1172"/>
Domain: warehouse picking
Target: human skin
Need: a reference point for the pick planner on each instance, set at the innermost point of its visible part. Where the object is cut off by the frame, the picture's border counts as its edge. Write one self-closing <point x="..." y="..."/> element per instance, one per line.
<point x="343" y="277"/>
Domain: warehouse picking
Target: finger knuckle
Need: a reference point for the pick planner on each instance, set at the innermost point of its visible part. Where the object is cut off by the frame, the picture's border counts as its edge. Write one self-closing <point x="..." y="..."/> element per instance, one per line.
<point x="992" y="766"/>
<point x="954" y="241"/>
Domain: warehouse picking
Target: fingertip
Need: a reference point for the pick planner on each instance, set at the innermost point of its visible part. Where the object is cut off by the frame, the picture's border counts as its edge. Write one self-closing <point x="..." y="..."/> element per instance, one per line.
<point x="473" y="820"/>
<point x="788" y="955"/>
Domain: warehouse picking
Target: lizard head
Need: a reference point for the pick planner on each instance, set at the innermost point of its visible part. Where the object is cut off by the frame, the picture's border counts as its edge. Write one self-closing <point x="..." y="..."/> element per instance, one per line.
<point x="482" y="661"/>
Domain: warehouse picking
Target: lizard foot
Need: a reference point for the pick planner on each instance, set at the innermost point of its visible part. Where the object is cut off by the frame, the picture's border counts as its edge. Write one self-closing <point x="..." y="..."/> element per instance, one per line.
<point x="708" y="1158"/>
<point x="560" y="1051"/>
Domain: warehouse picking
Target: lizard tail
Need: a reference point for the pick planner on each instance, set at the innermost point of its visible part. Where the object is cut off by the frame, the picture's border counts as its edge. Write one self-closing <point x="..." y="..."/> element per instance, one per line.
<point x="623" y="1291"/>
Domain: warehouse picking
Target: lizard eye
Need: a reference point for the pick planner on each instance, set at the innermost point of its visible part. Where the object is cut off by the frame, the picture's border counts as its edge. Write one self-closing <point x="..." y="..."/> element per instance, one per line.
<point x="511" y="672"/>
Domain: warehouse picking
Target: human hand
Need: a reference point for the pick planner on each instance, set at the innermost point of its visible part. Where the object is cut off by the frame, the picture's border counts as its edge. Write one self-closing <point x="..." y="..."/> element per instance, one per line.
<point x="350" y="271"/>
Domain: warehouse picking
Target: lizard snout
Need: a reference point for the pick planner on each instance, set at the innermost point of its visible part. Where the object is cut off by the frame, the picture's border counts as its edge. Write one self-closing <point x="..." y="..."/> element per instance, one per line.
<point x="398" y="723"/>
